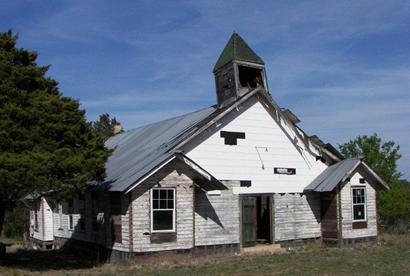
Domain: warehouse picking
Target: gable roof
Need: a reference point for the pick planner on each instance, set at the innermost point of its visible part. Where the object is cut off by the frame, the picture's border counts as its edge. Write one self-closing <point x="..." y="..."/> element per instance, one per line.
<point x="338" y="173"/>
<point x="237" y="49"/>
<point x="138" y="151"/>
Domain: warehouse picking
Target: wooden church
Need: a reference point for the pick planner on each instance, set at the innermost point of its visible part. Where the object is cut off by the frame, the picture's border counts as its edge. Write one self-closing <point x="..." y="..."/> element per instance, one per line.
<point x="238" y="174"/>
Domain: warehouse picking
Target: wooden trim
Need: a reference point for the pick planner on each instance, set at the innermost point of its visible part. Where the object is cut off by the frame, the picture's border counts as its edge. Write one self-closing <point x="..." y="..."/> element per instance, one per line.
<point x="359" y="224"/>
<point x="240" y="203"/>
<point x="339" y="215"/>
<point x="193" y="214"/>
<point x="272" y="219"/>
<point x="130" y="224"/>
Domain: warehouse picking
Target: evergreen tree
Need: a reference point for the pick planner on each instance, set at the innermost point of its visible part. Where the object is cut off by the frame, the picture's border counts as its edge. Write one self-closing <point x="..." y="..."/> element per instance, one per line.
<point x="382" y="157"/>
<point x="45" y="141"/>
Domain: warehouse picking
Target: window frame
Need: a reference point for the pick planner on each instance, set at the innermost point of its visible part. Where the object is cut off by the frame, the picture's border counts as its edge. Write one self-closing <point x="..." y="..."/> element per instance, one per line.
<point x="362" y="187"/>
<point x="173" y="211"/>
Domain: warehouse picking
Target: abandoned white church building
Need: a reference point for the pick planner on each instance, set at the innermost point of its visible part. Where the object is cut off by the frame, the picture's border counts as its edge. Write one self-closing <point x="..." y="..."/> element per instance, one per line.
<point x="228" y="176"/>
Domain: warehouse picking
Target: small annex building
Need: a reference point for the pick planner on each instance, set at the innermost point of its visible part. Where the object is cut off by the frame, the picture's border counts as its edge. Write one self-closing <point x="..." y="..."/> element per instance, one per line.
<point x="228" y="176"/>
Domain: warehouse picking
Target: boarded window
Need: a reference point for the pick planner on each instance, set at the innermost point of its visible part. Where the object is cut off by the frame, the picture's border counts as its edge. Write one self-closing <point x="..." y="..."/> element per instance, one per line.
<point x="359" y="204"/>
<point x="116" y="229"/>
<point x="232" y="137"/>
<point x="163" y="210"/>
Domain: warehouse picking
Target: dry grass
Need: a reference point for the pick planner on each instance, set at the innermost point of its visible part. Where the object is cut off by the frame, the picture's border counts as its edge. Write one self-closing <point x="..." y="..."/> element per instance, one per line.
<point x="392" y="257"/>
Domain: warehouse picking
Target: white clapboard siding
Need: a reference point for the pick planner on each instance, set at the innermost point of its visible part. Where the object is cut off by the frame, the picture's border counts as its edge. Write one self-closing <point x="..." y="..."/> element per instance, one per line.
<point x="217" y="217"/>
<point x="296" y="216"/>
<point x="242" y="162"/>
<point x="347" y="210"/>
<point x="141" y="208"/>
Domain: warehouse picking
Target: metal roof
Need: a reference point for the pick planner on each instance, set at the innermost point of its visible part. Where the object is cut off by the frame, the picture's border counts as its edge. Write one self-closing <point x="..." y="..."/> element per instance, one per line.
<point x="331" y="176"/>
<point x="337" y="173"/>
<point x="237" y="49"/>
<point x="138" y="151"/>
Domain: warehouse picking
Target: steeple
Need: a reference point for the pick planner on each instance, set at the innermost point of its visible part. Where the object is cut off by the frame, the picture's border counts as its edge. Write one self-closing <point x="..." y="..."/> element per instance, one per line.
<point x="237" y="49"/>
<point x="238" y="70"/>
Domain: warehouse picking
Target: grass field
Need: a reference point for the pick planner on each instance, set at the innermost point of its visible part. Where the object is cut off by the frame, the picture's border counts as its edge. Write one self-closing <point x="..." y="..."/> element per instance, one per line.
<point x="392" y="257"/>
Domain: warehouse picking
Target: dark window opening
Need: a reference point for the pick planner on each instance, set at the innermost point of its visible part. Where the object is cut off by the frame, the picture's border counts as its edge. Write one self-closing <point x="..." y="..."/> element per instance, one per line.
<point x="362" y="180"/>
<point x="249" y="78"/>
<point x="232" y="137"/>
<point x="246" y="183"/>
<point x="35" y="220"/>
<point x="70" y="222"/>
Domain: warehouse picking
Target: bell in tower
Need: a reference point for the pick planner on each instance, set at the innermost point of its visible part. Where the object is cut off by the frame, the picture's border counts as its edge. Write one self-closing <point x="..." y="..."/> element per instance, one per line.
<point x="238" y="71"/>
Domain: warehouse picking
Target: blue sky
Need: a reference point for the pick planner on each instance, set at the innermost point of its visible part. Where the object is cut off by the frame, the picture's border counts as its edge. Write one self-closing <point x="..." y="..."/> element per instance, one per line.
<point x="342" y="66"/>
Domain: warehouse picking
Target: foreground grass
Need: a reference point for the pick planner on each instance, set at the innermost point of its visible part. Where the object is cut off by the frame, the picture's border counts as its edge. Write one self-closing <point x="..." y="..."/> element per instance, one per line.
<point x="391" y="258"/>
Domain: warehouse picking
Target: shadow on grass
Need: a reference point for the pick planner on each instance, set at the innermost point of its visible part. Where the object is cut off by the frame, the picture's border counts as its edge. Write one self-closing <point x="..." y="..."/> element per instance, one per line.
<point x="40" y="261"/>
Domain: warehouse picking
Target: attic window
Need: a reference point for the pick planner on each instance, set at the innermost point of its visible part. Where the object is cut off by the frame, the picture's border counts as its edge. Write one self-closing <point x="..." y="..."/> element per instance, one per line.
<point x="362" y="180"/>
<point x="232" y="137"/>
<point x="249" y="78"/>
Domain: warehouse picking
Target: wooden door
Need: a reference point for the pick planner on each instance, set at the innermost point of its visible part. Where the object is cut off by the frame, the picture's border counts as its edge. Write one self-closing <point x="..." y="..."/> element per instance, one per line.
<point x="249" y="221"/>
<point x="329" y="215"/>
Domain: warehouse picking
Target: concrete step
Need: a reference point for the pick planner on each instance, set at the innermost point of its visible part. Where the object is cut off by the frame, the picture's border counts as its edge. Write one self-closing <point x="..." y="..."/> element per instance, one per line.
<point x="263" y="249"/>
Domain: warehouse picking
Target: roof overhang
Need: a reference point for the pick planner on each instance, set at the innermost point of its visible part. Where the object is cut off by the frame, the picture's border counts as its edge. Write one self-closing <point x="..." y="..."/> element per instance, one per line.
<point x="201" y="177"/>
<point x="340" y="173"/>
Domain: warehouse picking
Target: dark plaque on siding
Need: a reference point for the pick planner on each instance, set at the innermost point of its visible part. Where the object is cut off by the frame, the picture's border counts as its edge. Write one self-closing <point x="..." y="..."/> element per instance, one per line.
<point x="287" y="171"/>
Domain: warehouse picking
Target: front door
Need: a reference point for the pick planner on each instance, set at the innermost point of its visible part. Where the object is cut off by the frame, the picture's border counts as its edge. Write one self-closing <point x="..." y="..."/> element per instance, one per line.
<point x="249" y="222"/>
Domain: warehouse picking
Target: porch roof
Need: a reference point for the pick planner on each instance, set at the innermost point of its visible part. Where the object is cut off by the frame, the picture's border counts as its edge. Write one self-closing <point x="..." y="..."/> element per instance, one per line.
<point x="340" y="172"/>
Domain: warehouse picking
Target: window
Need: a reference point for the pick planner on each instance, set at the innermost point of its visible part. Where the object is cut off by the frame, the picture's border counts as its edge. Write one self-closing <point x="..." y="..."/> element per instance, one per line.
<point x="359" y="203"/>
<point x="70" y="222"/>
<point x="163" y="210"/>
<point x="232" y="137"/>
<point x="35" y="220"/>
<point x="70" y="214"/>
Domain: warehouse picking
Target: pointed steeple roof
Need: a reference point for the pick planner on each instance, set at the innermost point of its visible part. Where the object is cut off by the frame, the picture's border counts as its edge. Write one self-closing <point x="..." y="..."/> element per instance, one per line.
<point x="237" y="49"/>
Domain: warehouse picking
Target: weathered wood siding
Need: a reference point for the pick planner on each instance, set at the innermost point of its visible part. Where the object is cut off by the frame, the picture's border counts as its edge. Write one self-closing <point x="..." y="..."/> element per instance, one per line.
<point x="347" y="214"/>
<point x="268" y="144"/>
<point x="296" y="216"/>
<point x="217" y="217"/>
<point x="44" y="231"/>
<point x="141" y="208"/>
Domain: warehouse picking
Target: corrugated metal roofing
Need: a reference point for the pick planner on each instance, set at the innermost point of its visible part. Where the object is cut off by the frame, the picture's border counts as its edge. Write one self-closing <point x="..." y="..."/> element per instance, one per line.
<point x="237" y="49"/>
<point x="138" y="151"/>
<point x="331" y="176"/>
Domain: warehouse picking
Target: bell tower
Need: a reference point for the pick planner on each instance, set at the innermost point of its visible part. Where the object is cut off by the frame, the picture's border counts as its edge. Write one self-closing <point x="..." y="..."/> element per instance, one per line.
<point x="238" y="71"/>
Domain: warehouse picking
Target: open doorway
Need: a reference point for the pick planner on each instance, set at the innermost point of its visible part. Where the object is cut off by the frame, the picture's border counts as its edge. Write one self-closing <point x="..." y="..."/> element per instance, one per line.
<point x="256" y="220"/>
